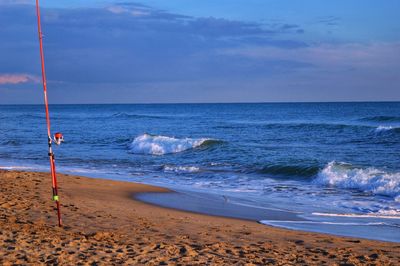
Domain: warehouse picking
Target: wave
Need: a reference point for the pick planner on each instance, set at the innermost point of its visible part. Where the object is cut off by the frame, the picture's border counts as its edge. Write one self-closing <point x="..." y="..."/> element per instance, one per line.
<point x="392" y="214"/>
<point x="138" y="116"/>
<point x="370" y="180"/>
<point x="280" y="223"/>
<point x="17" y="142"/>
<point x="381" y="119"/>
<point x="290" y="170"/>
<point x="12" y="142"/>
<point x="159" y="145"/>
<point x="15" y="168"/>
<point x="29" y="115"/>
<point x="330" y="127"/>
<point x="315" y="125"/>
<point x="382" y="129"/>
<point x="181" y="169"/>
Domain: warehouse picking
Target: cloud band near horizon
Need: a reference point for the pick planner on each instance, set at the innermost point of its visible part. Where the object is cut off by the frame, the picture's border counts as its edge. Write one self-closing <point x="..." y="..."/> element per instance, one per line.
<point x="14" y="79"/>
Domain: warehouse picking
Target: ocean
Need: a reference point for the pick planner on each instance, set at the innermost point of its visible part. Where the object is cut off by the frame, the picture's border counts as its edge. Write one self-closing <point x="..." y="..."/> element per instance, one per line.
<point x="335" y="164"/>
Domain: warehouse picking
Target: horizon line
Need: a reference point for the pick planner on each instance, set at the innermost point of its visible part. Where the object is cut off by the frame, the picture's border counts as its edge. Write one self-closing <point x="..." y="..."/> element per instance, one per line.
<point x="172" y="103"/>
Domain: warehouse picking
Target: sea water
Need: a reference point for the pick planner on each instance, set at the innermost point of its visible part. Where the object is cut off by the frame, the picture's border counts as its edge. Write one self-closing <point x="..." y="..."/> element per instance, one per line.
<point x="335" y="164"/>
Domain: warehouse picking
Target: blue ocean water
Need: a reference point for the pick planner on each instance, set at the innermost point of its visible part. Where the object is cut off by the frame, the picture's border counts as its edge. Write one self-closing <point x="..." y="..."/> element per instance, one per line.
<point x="333" y="163"/>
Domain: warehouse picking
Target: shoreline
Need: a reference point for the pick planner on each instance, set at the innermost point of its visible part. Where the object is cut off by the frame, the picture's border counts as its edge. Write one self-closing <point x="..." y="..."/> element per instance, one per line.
<point x="104" y="224"/>
<point x="336" y="225"/>
<point x="221" y="206"/>
<point x="212" y="205"/>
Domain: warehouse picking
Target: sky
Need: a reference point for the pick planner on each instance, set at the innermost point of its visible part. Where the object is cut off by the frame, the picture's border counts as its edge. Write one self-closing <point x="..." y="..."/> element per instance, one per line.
<point x="179" y="51"/>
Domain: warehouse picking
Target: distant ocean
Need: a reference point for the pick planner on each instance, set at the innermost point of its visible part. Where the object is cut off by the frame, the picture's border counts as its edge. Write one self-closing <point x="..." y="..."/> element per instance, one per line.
<point x="337" y="164"/>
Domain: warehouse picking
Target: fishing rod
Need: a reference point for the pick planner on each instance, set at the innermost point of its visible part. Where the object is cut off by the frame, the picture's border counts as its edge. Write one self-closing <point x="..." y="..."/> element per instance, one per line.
<point x="58" y="137"/>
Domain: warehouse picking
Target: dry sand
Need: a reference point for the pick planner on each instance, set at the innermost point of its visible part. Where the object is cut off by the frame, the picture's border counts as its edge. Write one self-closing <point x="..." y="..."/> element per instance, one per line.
<point x="105" y="226"/>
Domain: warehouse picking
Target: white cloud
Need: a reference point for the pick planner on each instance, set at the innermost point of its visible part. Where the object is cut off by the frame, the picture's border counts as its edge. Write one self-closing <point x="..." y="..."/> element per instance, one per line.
<point x="117" y="9"/>
<point x="136" y="11"/>
<point x="17" y="78"/>
<point x="15" y="2"/>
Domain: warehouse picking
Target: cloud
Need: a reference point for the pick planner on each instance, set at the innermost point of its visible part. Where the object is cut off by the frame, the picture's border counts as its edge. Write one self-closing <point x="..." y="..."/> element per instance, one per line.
<point x="116" y="9"/>
<point x="136" y="11"/>
<point x="116" y="44"/>
<point x="15" y="2"/>
<point x="147" y="54"/>
<point x="376" y="55"/>
<point x="139" y="10"/>
<point x="17" y="79"/>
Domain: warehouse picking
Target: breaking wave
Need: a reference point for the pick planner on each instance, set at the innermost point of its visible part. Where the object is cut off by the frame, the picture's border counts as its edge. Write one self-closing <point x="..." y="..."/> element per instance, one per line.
<point x="181" y="169"/>
<point x="370" y="180"/>
<point x="382" y="129"/>
<point x="159" y="145"/>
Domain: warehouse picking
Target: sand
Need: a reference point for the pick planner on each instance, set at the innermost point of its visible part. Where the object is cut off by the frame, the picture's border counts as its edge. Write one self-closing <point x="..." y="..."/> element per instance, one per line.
<point x="103" y="225"/>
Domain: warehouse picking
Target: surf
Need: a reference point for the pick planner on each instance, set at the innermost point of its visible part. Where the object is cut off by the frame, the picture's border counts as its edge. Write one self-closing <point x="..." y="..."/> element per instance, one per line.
<point x="370" y="180"/>
<point x="160" y="145"/>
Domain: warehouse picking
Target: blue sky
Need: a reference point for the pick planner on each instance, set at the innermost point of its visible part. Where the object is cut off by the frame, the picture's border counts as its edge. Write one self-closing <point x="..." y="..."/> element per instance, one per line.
<point x="202" y="51"/>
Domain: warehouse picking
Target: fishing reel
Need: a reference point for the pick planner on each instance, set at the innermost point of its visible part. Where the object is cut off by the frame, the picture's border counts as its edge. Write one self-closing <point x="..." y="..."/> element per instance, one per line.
<point x="58" y="138"/>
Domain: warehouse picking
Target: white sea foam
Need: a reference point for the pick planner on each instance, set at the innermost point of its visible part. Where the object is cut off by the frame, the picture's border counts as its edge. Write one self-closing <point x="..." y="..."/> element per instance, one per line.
<point x="159" y="145"/>
<point x="369" y="180"/>
<point x="280" y="223"/>
<point x="382" y="129"/>
<point x="82" y="170"/>
<point x="179" y="169"/>
<point x="15" y="168"/>
<point x="392" y="214"/>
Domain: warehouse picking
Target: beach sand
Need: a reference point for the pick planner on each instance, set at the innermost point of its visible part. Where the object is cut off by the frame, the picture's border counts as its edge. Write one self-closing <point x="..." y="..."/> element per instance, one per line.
<point x="104" y="225"/>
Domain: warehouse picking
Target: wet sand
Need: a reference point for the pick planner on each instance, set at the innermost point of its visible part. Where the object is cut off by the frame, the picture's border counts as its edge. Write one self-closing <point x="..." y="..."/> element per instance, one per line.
<point x="104" y="225"/>
<point x="214" y="205"/>
<point x="227" y="206"/>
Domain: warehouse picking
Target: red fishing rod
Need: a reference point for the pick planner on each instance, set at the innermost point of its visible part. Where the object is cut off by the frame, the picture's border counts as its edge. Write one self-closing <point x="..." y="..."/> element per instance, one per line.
<point x="58" y="138"/>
